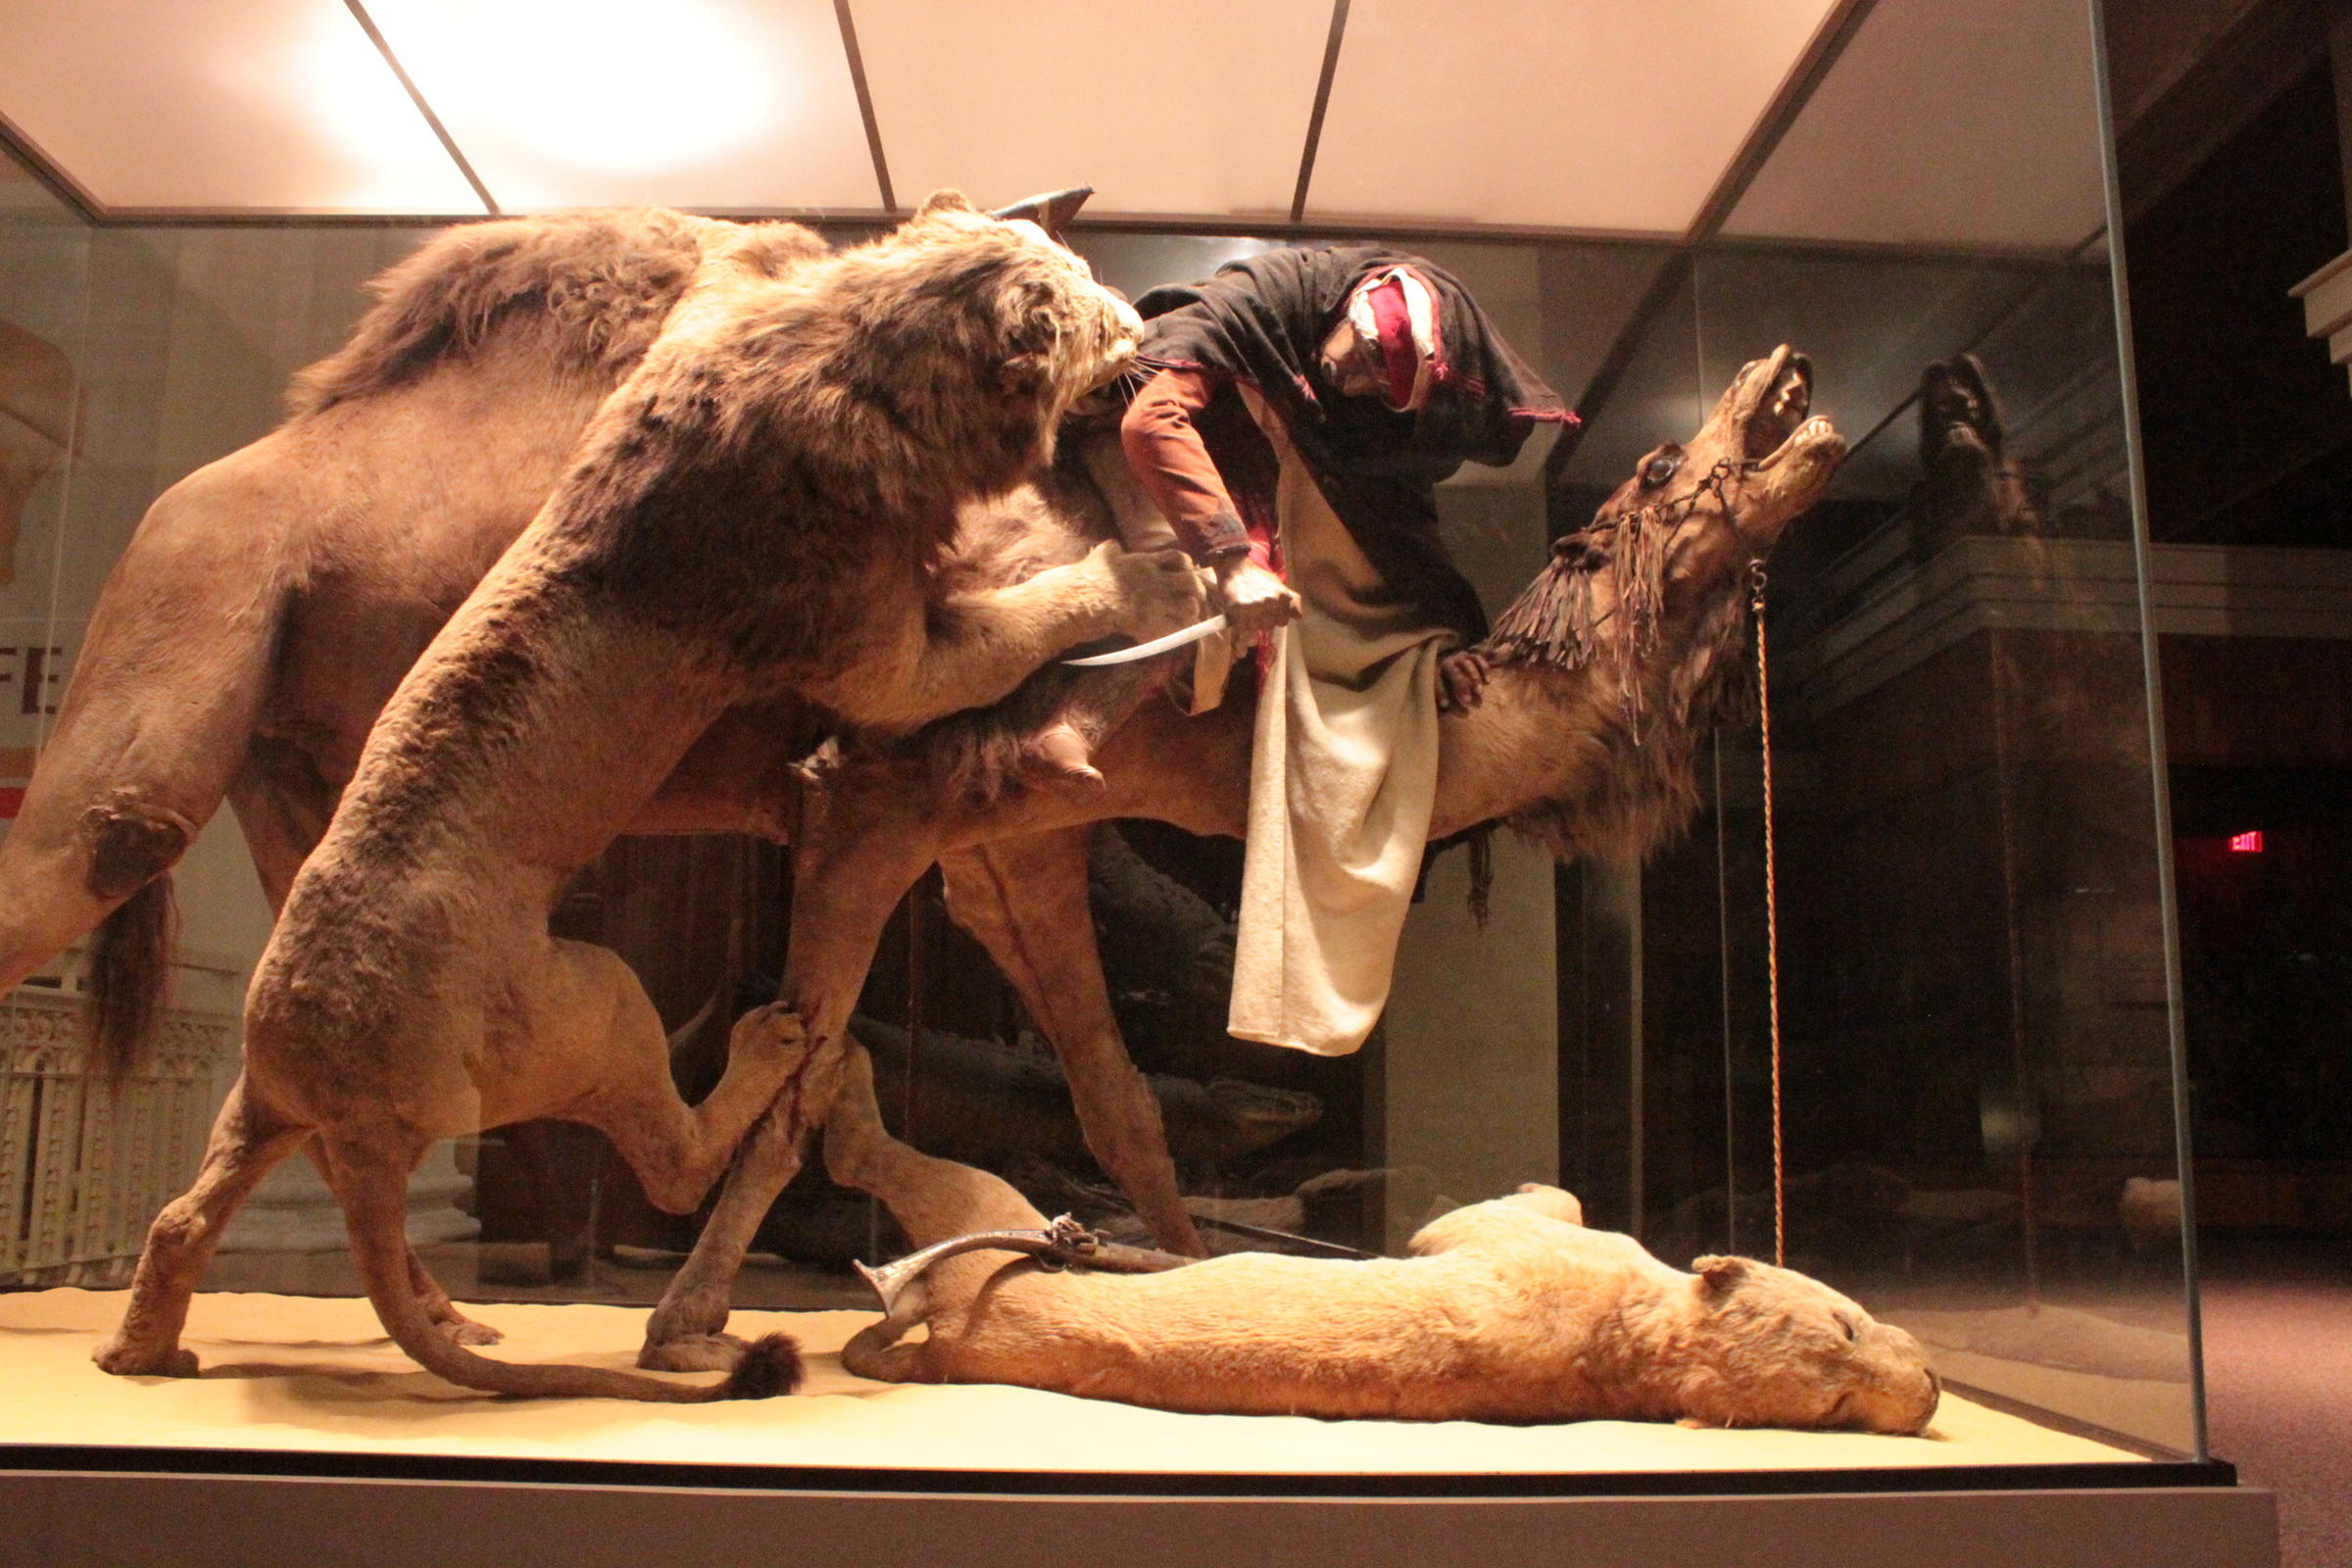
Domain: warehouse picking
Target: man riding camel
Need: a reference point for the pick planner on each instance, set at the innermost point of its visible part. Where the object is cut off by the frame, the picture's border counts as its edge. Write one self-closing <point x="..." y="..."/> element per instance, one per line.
<point x="1303" y="406"/>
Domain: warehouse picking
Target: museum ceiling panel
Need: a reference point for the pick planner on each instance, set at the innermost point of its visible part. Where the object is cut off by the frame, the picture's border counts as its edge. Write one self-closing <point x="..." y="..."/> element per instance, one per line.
<point x="1618" y="114"/>
<point x="722" y="105"/>
<point x="1201" y="111"/>
<point x="1612" y="116"/>
<point x="252" y="105"/>
<point x="1997" y="147"/>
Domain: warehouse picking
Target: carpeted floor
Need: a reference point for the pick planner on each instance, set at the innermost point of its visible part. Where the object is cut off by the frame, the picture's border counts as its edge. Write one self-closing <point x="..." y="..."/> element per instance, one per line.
<point x="2279" y="1382"/>
<point x="305" y="1373"/>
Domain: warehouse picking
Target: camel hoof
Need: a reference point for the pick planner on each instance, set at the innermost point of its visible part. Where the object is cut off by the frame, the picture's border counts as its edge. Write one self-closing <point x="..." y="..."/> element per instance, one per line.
<point x="138" y="1362"/>
<point x="693" y="1353"/>
<point x="465" y="1331"/>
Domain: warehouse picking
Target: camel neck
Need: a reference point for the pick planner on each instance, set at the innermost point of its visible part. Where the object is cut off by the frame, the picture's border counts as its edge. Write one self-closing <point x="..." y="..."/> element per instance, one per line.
<point x="1532" y="736"/>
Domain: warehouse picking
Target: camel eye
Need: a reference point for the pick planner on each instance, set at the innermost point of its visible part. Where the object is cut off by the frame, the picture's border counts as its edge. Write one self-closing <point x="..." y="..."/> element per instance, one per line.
<point x="1659" y="467"/>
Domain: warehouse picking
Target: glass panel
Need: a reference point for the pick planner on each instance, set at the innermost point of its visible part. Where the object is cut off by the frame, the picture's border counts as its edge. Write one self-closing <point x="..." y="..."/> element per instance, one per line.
<point x="1976" y="1055"/>
<point x="1972" y="1129"/>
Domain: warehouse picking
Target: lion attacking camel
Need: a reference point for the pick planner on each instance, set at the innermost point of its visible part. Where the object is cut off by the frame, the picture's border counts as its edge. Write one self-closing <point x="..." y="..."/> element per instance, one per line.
<point x="751" y="516"/>
<point x="339" y="544"/>
<point x="274" y="600"/>
<point x="1605" y="674"/>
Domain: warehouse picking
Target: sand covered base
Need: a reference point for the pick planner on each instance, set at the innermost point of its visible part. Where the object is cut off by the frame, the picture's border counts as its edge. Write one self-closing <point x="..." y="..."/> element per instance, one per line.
<point x="302" y="1373"/>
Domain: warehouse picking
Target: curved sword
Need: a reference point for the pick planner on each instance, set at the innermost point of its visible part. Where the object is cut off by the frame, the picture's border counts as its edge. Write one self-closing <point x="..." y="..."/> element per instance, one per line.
<point x="1062" y="1244"/>
<point x="1157" y="645"/>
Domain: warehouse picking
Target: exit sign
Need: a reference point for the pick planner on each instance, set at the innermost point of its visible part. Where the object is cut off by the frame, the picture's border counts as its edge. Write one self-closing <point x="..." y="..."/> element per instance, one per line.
<point x="2246" y="843"/>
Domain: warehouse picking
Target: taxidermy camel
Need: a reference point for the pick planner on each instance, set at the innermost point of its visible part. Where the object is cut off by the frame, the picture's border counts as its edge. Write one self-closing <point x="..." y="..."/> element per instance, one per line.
<point x="1602" y="679"/>
<point x="1509" y="1310"/>
<point x="753" y="514"/>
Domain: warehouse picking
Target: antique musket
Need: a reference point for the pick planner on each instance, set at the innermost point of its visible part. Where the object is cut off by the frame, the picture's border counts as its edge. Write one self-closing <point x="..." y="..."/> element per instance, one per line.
<point x="1062" y="1244"/>
<point x="1067" y="1244"/>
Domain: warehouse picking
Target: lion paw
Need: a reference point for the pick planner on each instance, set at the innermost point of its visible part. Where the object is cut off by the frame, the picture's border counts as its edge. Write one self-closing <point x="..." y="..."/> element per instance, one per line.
<point x="126" y="1360"/>
<point x="1160" y="590"/>
<point x="773" y="1032"/>
<point x="693" y="1353"/>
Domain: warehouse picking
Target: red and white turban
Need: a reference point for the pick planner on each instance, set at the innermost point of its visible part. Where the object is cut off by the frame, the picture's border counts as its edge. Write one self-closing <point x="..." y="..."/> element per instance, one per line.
<point x="1396" y="310"/>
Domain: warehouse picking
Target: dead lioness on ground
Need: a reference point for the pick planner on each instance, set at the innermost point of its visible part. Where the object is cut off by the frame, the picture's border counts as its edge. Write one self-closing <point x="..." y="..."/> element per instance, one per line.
<point x="1509" y="1310"/>
<point x="756" y="512"/>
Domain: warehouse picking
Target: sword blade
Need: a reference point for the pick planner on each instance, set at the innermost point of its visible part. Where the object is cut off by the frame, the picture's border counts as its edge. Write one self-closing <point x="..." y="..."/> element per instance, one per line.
<point x="1157" y="645"/>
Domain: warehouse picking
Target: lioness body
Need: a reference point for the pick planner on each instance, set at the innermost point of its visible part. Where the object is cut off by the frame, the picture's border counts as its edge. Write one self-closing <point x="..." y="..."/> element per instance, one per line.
<point x="1509" y="1310"/>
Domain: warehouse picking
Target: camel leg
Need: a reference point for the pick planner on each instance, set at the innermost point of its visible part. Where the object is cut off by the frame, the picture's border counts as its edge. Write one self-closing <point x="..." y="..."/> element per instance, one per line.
<point x="134" y="767"/>
<point x="1026" y="901"/>
<point x="846" y="882"/>
<point x="932" y="1199"/>
<point x="247" y="1141"/>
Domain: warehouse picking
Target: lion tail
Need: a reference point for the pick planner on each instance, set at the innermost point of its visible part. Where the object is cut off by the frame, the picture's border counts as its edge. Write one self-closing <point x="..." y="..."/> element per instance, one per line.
<point x="374" y="1186"/>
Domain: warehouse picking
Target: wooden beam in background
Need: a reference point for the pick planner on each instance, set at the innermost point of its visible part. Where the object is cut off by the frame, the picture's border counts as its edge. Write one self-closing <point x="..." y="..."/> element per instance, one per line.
<point x="449" y="143"/>
<point x="1314" y="120"/>
<point x="865" y="104"/>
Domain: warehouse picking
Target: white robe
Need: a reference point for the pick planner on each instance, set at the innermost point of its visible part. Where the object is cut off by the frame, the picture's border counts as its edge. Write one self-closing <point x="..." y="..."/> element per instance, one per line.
<point x="1344" y="776"/>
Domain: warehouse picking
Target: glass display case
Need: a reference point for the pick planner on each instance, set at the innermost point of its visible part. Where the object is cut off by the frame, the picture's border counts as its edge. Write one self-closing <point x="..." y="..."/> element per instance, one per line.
<point x="1900" y="1002"/>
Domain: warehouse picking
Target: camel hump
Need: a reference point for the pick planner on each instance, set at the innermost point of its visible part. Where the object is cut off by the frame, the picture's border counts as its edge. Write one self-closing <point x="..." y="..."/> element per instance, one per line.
<point x="596" y="285"/>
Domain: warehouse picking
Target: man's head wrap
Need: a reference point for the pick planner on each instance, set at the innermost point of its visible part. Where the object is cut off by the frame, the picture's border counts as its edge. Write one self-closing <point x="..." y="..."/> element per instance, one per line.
<point x="1263" y="319"/>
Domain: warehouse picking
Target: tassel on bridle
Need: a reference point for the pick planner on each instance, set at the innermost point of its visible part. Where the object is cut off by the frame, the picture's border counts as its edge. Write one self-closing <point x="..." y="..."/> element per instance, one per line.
<point x="1558" y="621"/>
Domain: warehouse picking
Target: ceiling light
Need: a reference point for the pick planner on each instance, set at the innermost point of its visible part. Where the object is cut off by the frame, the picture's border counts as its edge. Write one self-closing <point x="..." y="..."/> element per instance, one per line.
<point x="599" y="86"/>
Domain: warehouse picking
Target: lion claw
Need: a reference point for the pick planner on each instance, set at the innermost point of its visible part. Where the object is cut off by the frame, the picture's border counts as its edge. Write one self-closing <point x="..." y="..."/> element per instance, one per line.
<point x="774" y="1030"/>
<point x="465" y="1331"/>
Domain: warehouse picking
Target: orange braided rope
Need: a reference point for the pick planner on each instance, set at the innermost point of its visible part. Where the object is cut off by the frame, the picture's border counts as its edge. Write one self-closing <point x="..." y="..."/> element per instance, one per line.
<point x="1772" y="918"/>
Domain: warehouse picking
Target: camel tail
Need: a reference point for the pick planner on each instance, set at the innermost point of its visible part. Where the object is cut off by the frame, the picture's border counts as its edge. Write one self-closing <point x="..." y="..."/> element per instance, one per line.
<point x="122" y="995"/>
<point x="157" y="719"/>
<point x="374" y="1193"/>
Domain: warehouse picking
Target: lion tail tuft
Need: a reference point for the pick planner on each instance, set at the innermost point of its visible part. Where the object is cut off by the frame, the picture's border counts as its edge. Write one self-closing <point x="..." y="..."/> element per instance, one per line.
<point x="770" y="1367"/>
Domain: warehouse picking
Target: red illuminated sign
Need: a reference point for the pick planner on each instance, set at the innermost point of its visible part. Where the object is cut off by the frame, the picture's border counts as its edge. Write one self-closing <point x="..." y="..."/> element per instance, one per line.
<point x="2246" y="843"/>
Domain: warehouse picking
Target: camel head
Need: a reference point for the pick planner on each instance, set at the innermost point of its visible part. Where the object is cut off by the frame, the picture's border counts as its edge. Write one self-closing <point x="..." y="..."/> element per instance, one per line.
<point x="1638" y="621"/>
<point x="1712" y="505"/>
<point x="1668" y="552"/>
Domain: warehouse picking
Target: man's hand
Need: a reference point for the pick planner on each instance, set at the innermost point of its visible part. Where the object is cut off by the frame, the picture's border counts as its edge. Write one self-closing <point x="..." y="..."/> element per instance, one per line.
<point x="1461" y="680"/>
<point x="1252" y="597"/>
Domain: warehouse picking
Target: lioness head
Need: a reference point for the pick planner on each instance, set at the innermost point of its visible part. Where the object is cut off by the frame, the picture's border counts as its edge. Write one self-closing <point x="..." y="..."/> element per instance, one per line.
<point x="995" y="310"/>
<point x="1776" y="1348"/>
